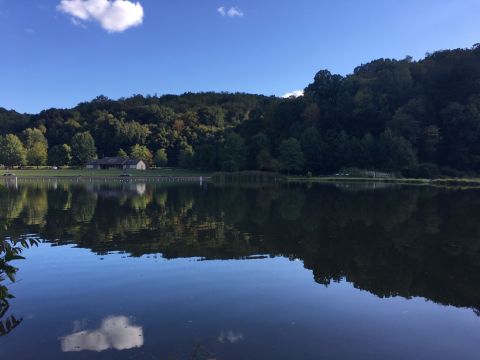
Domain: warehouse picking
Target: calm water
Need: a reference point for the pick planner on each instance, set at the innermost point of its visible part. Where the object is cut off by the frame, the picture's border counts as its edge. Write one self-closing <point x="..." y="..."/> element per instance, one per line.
<point x="134" y="271"/>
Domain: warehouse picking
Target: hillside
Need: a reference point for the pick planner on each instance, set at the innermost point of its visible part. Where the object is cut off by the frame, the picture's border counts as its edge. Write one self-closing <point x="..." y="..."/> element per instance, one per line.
<point x="419" y="118"/>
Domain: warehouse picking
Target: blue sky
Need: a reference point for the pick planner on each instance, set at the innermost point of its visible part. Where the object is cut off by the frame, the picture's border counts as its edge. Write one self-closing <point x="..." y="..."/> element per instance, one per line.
<point x="55" y="55"/>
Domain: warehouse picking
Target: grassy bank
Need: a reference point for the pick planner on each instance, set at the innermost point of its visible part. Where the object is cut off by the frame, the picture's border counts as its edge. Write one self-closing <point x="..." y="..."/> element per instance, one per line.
<point x="328" y="179"/>
<point x="451" y="182"/>
<point x="49" y="173"/>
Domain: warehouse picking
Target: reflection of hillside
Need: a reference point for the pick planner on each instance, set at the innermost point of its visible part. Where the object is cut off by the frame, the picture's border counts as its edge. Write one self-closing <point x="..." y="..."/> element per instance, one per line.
<point x="391" y="241"/>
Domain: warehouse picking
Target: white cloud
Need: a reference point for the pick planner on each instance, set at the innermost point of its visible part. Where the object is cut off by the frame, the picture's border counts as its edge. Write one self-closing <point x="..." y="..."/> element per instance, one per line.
<point x="78" y="23"/>
<point x="235" y="12"/>
<point x="232" y="12"/>
<point x="295" y="94"/>
<point x="115" y="332"/>
<point x="221" y="11"/>
<point x="113" y="15"/>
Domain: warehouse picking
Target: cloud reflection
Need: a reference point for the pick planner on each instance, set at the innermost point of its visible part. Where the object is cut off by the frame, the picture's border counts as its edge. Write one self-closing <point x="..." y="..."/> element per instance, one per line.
<point x="115" y="332"/>
<point x="231" y="337"/>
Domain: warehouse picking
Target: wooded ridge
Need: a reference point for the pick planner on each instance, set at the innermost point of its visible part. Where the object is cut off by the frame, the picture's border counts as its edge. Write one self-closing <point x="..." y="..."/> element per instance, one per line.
<point x="417" y="118"/>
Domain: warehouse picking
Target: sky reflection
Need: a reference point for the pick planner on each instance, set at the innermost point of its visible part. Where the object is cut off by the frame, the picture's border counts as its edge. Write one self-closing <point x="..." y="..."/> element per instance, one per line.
<point x="231" y="337"/>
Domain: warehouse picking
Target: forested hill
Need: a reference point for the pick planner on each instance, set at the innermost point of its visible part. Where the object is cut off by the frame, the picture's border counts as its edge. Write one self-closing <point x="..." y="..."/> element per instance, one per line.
<point x="411" y="117"/>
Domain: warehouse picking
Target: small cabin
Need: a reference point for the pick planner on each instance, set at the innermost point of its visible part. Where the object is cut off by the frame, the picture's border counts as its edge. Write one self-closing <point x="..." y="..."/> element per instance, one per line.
<point x="116" y="163"/>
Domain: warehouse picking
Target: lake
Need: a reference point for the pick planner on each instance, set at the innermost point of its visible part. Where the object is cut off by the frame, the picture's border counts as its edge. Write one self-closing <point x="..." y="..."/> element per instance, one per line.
<point x="165" y="271"/>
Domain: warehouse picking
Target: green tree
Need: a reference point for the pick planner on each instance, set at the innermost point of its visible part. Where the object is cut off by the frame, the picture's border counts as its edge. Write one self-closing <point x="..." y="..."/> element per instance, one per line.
<point x="291" y="156"/>
<point x="313" y="148"/>
<point x="34" y="136"/>
<point x="396" y="152"/>
<point x="265" y="162"/>
<point x="207" y="155"/>
<point x="12" y="151"/>
<point x="132" y="133"/>
<point x="83" y="148"/>
<point x="234" y="153"/>
<point x="185" y="157"/>
<point x="141" y="152"/>
<point x="368" y="153"/>
<point x="122" y="153"/>
<point x="212" y="116"/>
<point x="431" y="140"/>
<point x="408" y="119"/>
<point x="256" y="144"/>
<point x="37" y="155"/>
<point x="60" y="155"/>
<point x="161" y="158"/>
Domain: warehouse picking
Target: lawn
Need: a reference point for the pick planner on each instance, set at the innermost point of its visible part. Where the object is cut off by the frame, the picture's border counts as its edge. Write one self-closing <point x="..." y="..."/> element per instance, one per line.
<point x="103" y="173"/>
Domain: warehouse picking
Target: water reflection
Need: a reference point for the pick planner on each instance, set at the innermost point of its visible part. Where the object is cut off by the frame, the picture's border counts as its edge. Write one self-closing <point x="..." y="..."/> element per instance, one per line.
<point x="115" y="332"/>
<point x="231" y="337"/>
<point x="390" y="241"/>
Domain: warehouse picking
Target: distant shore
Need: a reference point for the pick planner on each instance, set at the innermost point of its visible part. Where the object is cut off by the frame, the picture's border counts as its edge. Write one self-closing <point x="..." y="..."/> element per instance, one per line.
<point x="452" y="182"/>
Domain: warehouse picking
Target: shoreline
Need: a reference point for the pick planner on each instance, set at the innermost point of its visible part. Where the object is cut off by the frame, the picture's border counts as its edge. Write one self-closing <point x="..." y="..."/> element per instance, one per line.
<point x="447" y="182"/>
<point x="153" y="178"/>
<point x="84" y="173"/>
<point x="182" y="176"/>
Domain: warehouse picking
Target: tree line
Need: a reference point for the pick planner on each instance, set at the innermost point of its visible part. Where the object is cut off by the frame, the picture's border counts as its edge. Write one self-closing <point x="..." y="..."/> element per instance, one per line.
<point x="416" y="118"/>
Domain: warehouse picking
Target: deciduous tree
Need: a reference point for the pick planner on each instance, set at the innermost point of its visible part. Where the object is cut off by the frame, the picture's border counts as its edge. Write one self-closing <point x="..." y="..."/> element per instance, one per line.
<point x="161" y="158"/>
<point x="37" y="155"/>
<point x="83" y="148"/>
<point x="12" y="151"/>
<point x="141" y="152"/>
<point x="60" y="155"/>
<point x="291" y="156"/>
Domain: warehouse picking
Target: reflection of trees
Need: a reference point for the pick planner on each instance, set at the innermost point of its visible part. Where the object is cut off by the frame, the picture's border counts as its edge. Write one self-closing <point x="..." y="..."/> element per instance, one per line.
<point x="291" y="204"/>
<point x="12" y="201"/>
<point x="60" y="198"/>
<point x="36" y="206"/>
<point x="83" y="205"/>
<point x="391" y="241"/>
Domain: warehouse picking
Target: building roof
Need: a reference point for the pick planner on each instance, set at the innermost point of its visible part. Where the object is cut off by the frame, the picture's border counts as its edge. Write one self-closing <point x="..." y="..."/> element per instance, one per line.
<point x="114" y="161"/>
